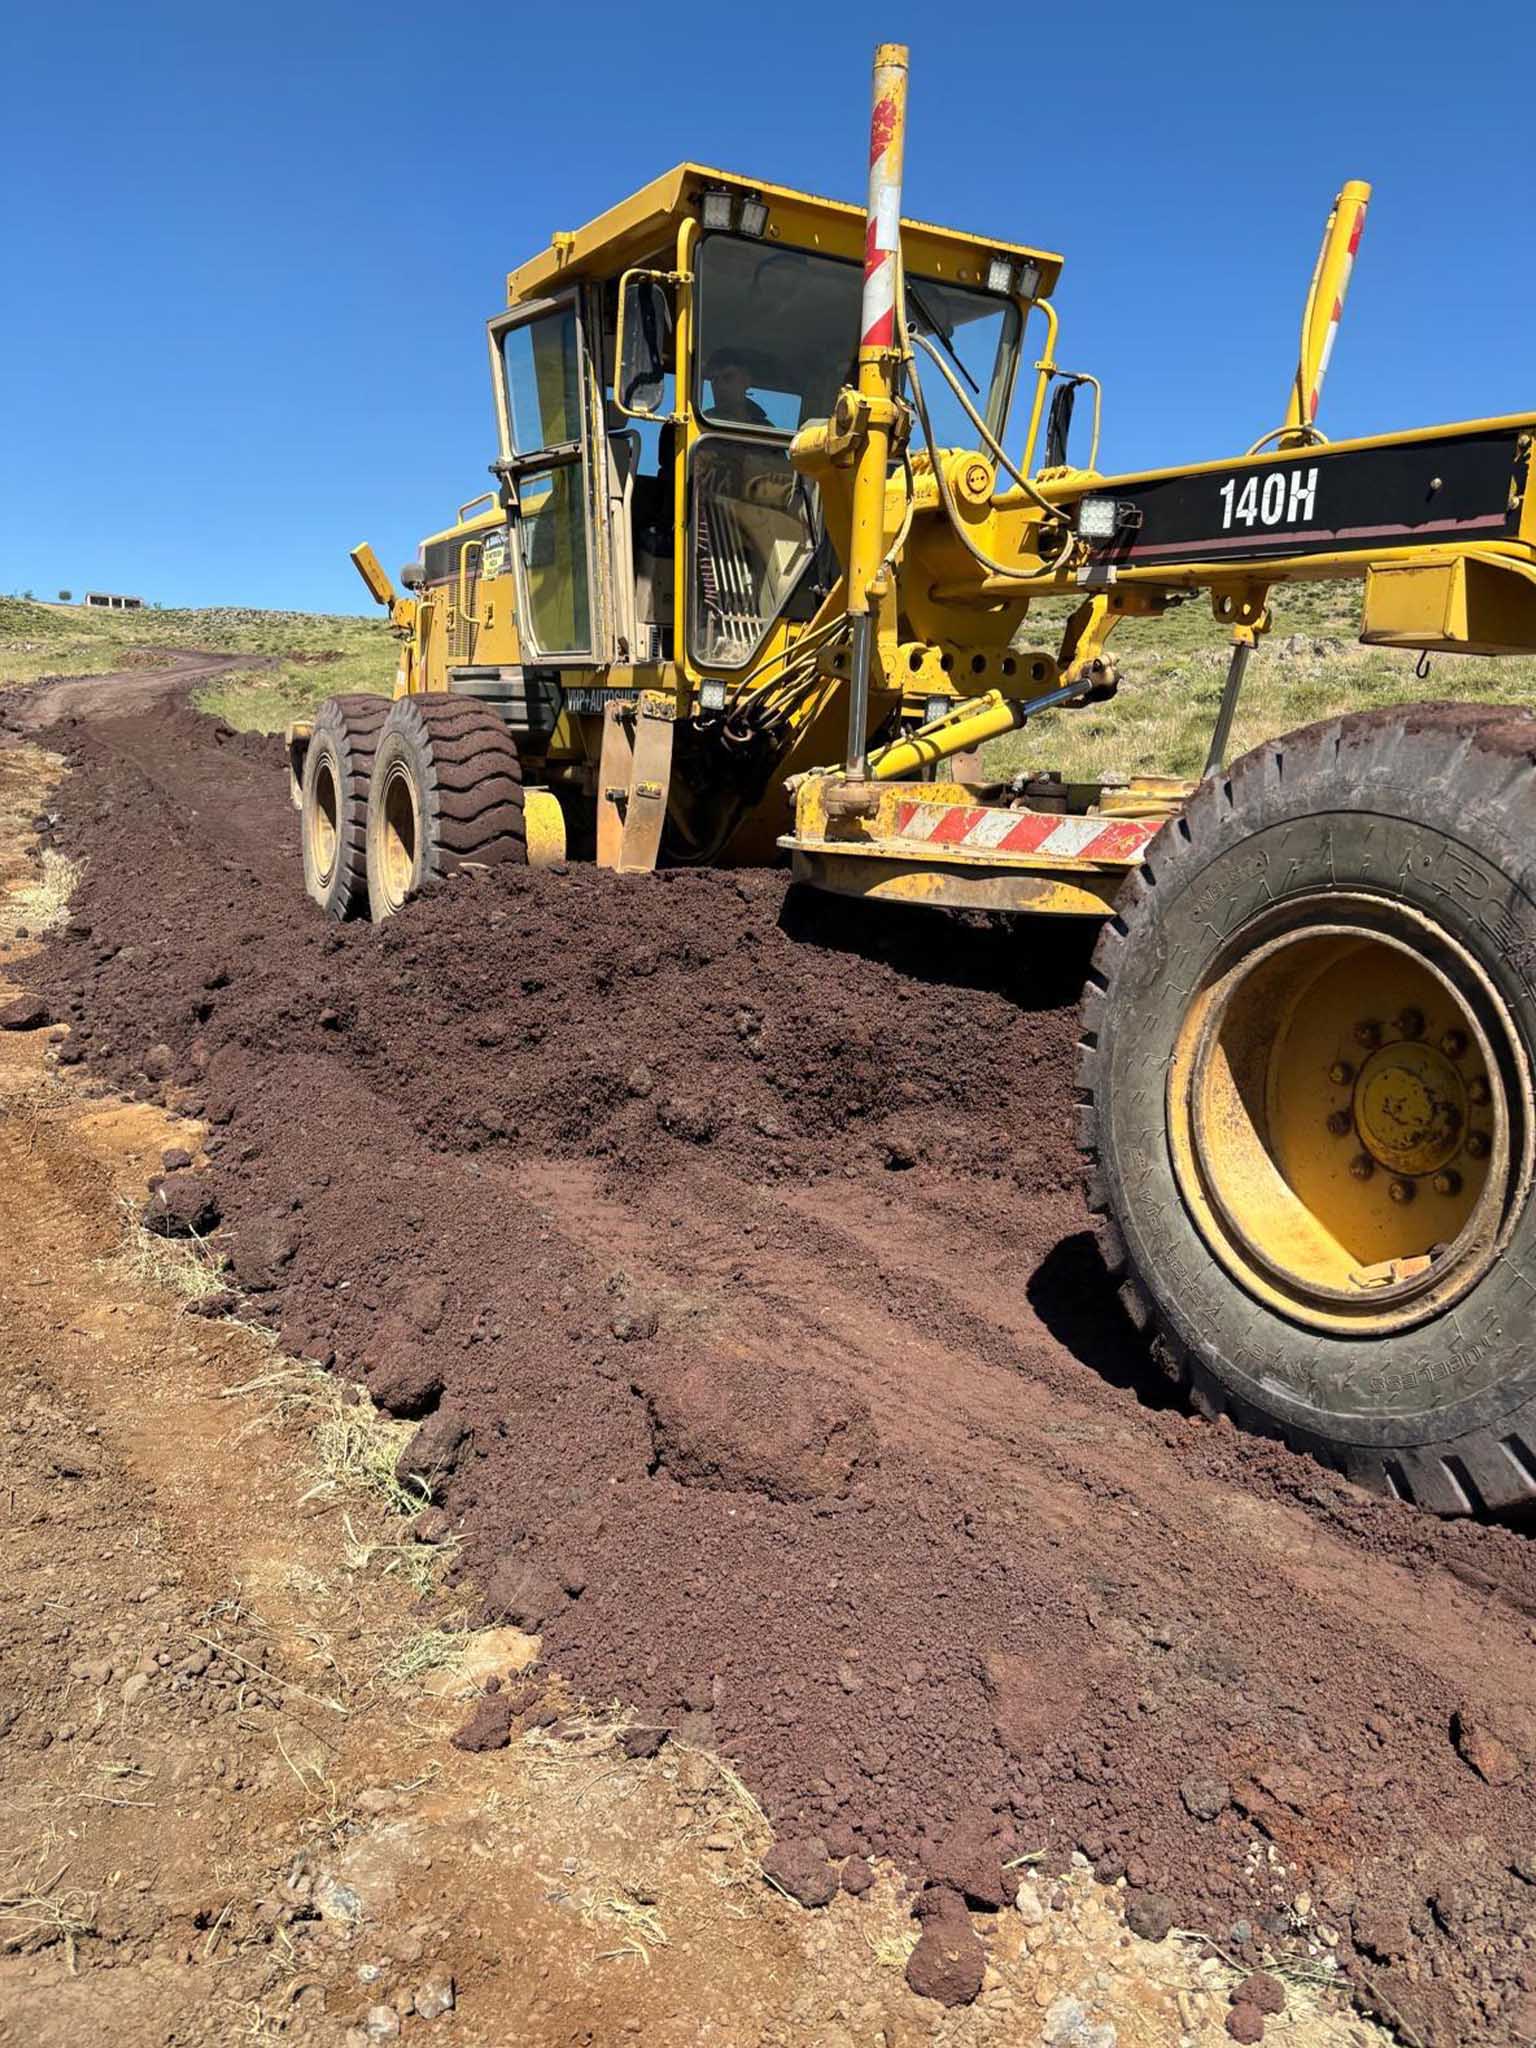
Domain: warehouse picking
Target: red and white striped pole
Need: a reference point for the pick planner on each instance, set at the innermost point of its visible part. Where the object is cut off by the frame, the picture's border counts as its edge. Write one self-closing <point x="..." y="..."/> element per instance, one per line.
<point x="878" y="374"/>
<point x="1330" y="286"/>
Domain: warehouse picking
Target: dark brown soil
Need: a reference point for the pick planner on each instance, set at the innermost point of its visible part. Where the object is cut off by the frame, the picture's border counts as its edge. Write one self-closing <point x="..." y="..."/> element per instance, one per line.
<point x="782" y="1385"/>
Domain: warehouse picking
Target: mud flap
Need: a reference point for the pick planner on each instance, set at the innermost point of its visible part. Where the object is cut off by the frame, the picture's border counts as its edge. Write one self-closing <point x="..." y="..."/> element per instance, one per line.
<point x="633" y="780"/>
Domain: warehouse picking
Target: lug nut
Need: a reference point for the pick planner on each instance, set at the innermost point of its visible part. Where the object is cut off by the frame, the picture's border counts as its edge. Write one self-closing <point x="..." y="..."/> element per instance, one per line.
<point x="1339" y="1123"/>
<point x="1410" y="1023"/>
<point x="1362" y="1166"/>
<point x="1402" y="1191"/>
<point x="1341" y="1073"/>
<point x="1478" y="1090"/>
<point x="1368" y="1034"/>
<point x="1454" y="1044"/>
<point x="1448" y="1182"/>
<point x="1477" y="1144"/>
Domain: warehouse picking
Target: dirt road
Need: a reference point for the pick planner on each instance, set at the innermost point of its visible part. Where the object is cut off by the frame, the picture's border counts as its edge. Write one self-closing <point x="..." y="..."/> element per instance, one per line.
<point x="730" y="1246"/>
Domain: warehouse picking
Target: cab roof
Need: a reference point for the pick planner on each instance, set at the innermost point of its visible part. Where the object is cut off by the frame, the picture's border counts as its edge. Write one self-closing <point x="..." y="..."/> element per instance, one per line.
<point x="646" y="223"/>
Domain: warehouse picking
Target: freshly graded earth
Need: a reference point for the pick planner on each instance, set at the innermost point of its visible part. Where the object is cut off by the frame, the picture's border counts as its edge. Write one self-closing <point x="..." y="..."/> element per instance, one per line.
<point x="729" y="1247"/>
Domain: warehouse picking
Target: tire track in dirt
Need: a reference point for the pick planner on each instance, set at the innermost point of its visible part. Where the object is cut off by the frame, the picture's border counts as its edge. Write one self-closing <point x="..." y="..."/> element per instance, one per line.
<point x="886" y="1501"/>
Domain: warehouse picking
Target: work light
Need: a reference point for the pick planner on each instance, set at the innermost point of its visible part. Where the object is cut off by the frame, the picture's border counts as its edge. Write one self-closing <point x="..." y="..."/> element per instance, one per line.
<point x="1097" y="518"/>
<point x="754" y="217"/>
<point x="999" y="275"/>
<point x="717" y="209"/>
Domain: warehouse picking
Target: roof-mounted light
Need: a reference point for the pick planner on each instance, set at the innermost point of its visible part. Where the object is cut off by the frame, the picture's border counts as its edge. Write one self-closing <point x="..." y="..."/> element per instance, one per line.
<point x="754" y="216"/>
<point x="1027" y="283"/>
<point x="718" y="209"/>
<point x="999" y="275"/>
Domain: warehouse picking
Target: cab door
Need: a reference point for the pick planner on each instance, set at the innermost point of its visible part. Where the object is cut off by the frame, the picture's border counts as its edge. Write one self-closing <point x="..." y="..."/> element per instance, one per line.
<point x="545" y="400"/>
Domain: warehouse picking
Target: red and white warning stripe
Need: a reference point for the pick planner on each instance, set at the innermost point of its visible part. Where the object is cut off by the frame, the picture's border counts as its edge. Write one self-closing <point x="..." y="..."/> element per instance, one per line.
<point x="882" y="234"/>
<point x="981" y="829"/>
<point x="1337" y="313"/>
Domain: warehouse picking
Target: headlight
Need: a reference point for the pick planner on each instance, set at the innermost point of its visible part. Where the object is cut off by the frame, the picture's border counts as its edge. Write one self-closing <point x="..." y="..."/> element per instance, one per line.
<point x="999" y="275"/>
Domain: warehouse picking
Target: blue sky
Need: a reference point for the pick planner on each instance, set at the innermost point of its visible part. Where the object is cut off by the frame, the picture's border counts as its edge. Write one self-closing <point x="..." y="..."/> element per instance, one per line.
<point x="249" y="250"/>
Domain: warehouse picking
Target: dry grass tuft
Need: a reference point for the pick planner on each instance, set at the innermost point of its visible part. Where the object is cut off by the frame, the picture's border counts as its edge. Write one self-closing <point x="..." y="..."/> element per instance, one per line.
<point x="36" y="1919"/>
<point x="41" y="905"/>
<point x="184" y="1266"/>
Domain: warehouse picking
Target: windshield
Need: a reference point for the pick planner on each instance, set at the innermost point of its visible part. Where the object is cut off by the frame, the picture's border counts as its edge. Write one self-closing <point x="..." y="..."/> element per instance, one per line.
<point x="778" y="339"/>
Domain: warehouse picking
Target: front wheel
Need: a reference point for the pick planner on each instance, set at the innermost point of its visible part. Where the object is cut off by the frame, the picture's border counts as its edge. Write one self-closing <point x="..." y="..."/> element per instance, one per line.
<point x="1306" y="1079"/>
<point x="333" y="801"/>
<point x="446" y="792"/>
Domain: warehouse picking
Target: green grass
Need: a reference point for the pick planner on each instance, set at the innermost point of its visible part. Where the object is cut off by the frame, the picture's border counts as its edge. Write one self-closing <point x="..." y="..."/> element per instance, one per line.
<point x="1309" y="666"/>
<point x="318" y="653"/>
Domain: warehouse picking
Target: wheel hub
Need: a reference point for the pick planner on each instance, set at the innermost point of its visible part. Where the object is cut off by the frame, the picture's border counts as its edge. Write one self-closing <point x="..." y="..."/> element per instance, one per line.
<point x="1410" y="1108"/>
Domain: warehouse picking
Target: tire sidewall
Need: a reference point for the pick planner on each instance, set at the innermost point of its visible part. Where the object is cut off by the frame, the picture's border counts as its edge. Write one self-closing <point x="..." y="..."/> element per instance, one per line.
<point x="1388" y="819"/>
<point x="401" y="749"/>
<point x="325" y="749"/>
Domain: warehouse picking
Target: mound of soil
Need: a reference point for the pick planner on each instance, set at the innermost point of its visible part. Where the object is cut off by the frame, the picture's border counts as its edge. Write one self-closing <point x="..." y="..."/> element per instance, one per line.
<point x="738" y="1237"/>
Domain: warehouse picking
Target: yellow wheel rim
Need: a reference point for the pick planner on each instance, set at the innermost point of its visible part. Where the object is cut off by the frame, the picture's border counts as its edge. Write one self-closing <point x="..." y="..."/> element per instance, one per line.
<point x="399" y="834"/>
<point x="1348" y="1116"/>
<point x="323" y="825"/>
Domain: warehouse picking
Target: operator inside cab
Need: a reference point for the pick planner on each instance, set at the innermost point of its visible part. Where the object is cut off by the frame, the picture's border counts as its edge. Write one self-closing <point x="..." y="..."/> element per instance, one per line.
<point x="729" y="374"/>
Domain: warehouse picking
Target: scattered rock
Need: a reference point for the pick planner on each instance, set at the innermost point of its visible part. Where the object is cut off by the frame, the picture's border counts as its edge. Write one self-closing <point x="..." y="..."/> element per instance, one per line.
<point x="262" y="1251"/>
<point x="1478" y="1747"/>
<point x="1149" y="1915"/>
<point x="634" y="1325"/>
<point x="434" y="1996"/>
<point x="949" y="1963"/>
<point x="857" y="1877"/>
<point x="1521" y="2020"/>
<point x="175" y="1158"/>
<point x="1028" y="1905"/>
<point x="158" y="1063"/>
<point x="182" y="1205"/>
<point x="134" y="1688"/>
<point x="1245" y="2023"/>
<point x="801" y="1868"/>
<point x="686" y="1117"/>
<point x="640" y="1743"/>
<point x="638" y="1082"/>
<point x="1262" y="1990"/>
<point x="381" y="2023"/>
<point x="1205" y="1798"/>
<point x="485" y="1658"/>
<point x="488" y="1725"/>
<point x="405" y="1383"/>
<point x="25" y="1013"/>
<point x="432" y="1525"/>
<point x="969" y="1860"/>
<point x="223" y="1301"/>
<point x="798" y="1437"/>
<point x="433" y="1454"/>
<point x="1386" y="1937"/>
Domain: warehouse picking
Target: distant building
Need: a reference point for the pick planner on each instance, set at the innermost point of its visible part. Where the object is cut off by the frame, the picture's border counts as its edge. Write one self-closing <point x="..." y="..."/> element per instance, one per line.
<point x="108" y="601"/>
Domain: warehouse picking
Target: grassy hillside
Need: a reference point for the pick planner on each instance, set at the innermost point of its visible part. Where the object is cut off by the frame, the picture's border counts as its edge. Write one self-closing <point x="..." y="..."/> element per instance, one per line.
<point x="1310" y="666"/>
<point x="305" y="655"/>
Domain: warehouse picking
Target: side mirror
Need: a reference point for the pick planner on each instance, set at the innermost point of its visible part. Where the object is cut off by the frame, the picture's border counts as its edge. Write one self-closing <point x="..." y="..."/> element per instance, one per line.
<point x="643" y="345"/>
<point x="414" y="576"/>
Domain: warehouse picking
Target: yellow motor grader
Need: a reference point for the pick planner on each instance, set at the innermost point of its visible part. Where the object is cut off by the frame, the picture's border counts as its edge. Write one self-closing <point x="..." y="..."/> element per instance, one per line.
<point x="756" y="578"/>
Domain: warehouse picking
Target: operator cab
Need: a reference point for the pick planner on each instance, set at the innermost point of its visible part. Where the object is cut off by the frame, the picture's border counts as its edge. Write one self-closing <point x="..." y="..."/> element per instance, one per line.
<point x="650" y="376"/>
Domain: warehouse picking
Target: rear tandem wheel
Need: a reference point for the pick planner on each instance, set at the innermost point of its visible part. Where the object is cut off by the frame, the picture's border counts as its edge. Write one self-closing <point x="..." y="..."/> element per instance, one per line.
<point x="1306" y="1087"/>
